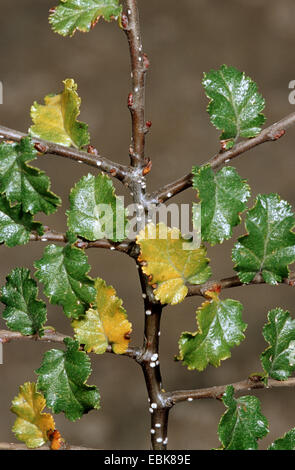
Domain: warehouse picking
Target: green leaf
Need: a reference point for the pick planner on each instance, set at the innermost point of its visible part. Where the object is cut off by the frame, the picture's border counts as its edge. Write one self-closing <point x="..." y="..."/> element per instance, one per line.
<point x="15" y="225"/>
<point x="235" y="105"/>
<point x="23" y="183"/>
<point x="223" y="197"/>
<point x="287" y="442"/>
<point x="243" y="423"/>
<point x="95" y="210"/>
<point x="82" y="15"/>
<point x="62" y="379"/>
<point x="31" y="426"/>
<point x="23" y="312"/>
<point x="278" y="359"/>
<point x="56" y="120"/>
<point x="220" y="327"/>
<point x="105" y="324"/>
<point x="169" y="262"/>
<point x="269" y="246"/>
<point x="63" y="271"/>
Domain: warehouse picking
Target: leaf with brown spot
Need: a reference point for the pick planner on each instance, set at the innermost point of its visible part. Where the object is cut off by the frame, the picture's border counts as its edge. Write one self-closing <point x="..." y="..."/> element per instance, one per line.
<point x="31" y="425"/>
<point x="168" y="264"/>
<point x="104" y="324"/>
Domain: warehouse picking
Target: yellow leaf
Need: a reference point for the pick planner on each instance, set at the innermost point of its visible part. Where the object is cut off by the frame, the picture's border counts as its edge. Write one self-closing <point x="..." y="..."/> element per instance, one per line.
<point x="56" y="120"/>
<point x="168" y="264"/>
<point x="31" y="425"/>
<point x="105" y="324"/>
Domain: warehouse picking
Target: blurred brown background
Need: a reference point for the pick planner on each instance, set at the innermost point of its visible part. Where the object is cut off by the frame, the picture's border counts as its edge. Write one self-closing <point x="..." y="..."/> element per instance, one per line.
<point x="182" y="39"/>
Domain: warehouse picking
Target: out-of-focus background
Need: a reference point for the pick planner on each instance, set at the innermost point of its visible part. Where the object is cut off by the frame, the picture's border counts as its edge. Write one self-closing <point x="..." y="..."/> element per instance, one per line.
<point x="182" y="39"/>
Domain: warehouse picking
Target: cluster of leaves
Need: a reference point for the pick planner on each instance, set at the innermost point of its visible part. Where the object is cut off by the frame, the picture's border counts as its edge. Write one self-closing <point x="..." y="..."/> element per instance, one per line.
<point x="98" y="318"/>
<point x="243" y="424"/>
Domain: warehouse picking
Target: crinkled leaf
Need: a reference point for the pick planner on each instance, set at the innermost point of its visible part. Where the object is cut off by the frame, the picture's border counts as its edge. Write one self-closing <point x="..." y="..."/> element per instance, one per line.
<point x="223" y="197"/>
<point x="56" y="120"/>
<point x="269" y="246"/>
<point x="23" y="183"/>
<point x="95" y="210"/>
<point x="31" y="425"/>
<point x="278" y="359"/>
<point x="287" y="442"/>
<point x="220" y="328"/>
<point x="82" y="15"/>
<point x="23" y="312"/>
<point x="15" y="225"/>
<point x="62" y="378"/>
<point x="243" y="423"/>
<point x="105" y="324"/>
<point x="235" y="105"/>
<point x="168" y="264"/>
<point x="63" y="271"/>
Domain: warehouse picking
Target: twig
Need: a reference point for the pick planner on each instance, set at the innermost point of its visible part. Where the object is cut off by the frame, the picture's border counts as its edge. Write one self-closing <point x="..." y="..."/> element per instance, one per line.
<point x="51" y="236"/>
<point x="233" y="282"/>
<point x="217" y="392"/>
<point x="136" y="102"/>
<point x="121" y="172"/>
<point x="136" y="99"/>
<point x="151" y="367"/>
<point x="270" y="134"/>
<point x="12" y="446"/>
<point x="50" y="336"/>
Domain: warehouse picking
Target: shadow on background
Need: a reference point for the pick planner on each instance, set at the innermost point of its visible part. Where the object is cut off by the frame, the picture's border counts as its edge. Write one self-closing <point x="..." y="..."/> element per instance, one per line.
<point x="182" y="39"/>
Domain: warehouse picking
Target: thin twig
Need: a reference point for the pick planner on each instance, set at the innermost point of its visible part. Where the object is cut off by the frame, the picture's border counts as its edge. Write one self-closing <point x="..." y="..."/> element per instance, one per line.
<point x="270" y="134"/>
<point x="150" y="363"/>
<point x="252" y="383"/>
<point x="49" y="235"/>
<point x="136" y="99"/>
<point x="51" y="336"/>
<point x="121" y="172"/>
<point x="234" y="281"/>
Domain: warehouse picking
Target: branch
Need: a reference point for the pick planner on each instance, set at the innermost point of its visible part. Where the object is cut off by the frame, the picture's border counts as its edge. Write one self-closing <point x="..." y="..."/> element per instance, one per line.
<point x="51" y="336"/>
<point x="136" y="99"/>
<point x="121" y="172"/>
<point x="51" y="236"/>
<point x="233" y="282"/>
<point x="252" y="383"/>
<point x="12" y="446"/>
<point x="270" y="134"/>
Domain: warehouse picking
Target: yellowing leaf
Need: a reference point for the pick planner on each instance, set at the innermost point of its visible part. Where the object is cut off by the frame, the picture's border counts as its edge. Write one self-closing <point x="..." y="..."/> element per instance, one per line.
<point x="31" y="425"/>
<point x="169" y="264"/>
<point x="105" y="324"/>
<point x="56" y="120"/>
